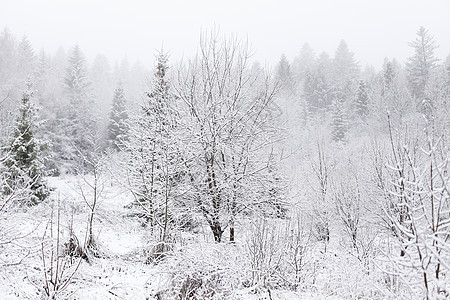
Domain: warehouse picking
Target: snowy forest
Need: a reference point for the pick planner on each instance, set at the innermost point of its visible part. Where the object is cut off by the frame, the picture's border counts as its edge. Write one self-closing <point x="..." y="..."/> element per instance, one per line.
<point x="218" y="177"/>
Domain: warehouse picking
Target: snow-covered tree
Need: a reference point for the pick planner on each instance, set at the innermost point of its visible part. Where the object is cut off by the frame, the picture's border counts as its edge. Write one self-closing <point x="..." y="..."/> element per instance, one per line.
<point x="76" y="80"/>
<point x="7" y="71"/>
<point x="302" y="63"/>
<point x="389" y="77"/>
<point x="417" y="211"/>
<point x="345" y="66"/>
<point x="284" y="75"/>
<point x="362" y="102"/>
<point x="26" y="60"/>
<point x="345" y="75"/>
<point x="154" y="161"/>
<point x="101" y="77"/>
<point x="421" y="65"/>
<point x="7" y="54"/>
<point x="80" y="119"/>
<point x="338" y="123"/>
<point x="316" y="91"/>
<point x="230" y="133"/>
<point x="118" y="118"/>
<point x="24" y="166"/>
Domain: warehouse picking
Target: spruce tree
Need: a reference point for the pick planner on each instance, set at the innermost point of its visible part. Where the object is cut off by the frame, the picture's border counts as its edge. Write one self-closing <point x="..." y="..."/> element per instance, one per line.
<point x="389" y="76"/>
<point x="24" y="167"/>
<point x="315" y="91"/>
<point x="76" y="80"/>
<point x="339" y="128"/>
<point x="285" y="78"/>
<point x="26" y="60"/>
<point x="345" y="66"/>
<point x="302" y="63"/>
<point x="154" y="159"/>
<point x="362" y="102"/>
<point x="80" y="123"/>
<point x="345" y="73"/>
<point x="422" y="63"/>
<point x="118" y="125"/>
<point x="152" y="149"/>
<point x="309" y="88"/>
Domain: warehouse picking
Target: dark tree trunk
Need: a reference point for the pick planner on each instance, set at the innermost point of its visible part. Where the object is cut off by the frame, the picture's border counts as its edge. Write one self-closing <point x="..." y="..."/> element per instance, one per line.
<point x="217" y="231"/>
<point x="232" y="234"/>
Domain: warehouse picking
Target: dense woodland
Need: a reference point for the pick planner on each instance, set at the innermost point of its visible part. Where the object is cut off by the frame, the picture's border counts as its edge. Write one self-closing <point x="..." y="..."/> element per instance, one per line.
<point x="314" y="178"/>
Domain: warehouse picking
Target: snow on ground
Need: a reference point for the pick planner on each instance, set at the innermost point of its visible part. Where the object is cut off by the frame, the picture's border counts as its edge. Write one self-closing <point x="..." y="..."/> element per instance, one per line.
<point x="121" y="273"/>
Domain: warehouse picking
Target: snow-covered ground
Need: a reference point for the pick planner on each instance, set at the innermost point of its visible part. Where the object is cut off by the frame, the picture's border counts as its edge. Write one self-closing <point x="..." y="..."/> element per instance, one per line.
<point x="221" y="271"/>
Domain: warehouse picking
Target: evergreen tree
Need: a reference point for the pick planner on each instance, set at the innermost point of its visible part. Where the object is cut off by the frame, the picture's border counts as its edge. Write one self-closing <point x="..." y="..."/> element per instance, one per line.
<point x="303" y="62"/>
<point x="316" y="90"/>
<point x="309" y="87"/>
<point x="7" y="55"/>
<point x="43" y="68"/>
<point x="24" y="166"/>
<point x="59" y="63"/>
<point x="76" y="79"/>
<point x="276" y="205"/>
<point x="447" y="71"/>
<point x="362" y="102"/>
<point x="284" y="76"/>
<point x="118" y="125"/>
<point x="81" y="122"/>
<point x="339" y="128"/>
<point x="422" y="63"/>
<point x="153" y="154"/>
<point x="345" y="66"/>
<point x="26" y="60"/>
<point x="389" y="76"/>
<point x="101" y="77"/>
<point x="345" y="73"/>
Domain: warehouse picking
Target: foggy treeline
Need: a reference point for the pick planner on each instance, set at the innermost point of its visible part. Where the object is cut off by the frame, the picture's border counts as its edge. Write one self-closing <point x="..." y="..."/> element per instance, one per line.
<point x="223" y="178"/>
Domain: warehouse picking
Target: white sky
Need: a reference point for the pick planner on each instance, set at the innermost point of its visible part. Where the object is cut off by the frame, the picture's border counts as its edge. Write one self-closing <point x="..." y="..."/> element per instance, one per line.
<point x="135" y="28"/>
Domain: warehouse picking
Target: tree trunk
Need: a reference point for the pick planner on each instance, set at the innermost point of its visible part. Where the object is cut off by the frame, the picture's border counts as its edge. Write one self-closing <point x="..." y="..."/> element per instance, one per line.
<point x="217" y="232"/>
<point x="232" y="231"/>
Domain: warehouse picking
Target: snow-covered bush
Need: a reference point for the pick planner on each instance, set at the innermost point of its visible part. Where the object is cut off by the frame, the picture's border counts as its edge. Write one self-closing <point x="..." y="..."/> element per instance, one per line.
<point x="60" y="261"/>
<point x="280" y="254"/>
<point x="206" y="271"/>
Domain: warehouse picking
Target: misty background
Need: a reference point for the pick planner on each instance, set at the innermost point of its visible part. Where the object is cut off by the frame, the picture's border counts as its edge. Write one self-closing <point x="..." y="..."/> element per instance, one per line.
<point x="135" y="30"/>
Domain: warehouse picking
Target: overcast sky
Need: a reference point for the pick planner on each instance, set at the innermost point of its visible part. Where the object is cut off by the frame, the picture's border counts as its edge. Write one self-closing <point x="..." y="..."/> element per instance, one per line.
<point x="135" y="28"/>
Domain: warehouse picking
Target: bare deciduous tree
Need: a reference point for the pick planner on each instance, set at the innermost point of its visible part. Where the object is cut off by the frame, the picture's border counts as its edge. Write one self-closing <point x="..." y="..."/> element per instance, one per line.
<point x="420" y="212"/>
<point x="229" y="117"/>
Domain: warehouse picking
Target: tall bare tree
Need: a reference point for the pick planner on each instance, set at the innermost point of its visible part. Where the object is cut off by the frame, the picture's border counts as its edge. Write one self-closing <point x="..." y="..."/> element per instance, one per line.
<point x="230" y="131"/>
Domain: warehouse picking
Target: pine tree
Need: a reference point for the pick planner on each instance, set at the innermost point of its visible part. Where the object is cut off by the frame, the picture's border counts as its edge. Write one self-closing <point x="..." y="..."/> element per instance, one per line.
<point x="118" y="125"/>
<point x="24" y="166"/>
<point x="422" y="63"/>
<point x="362" y="102"/>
